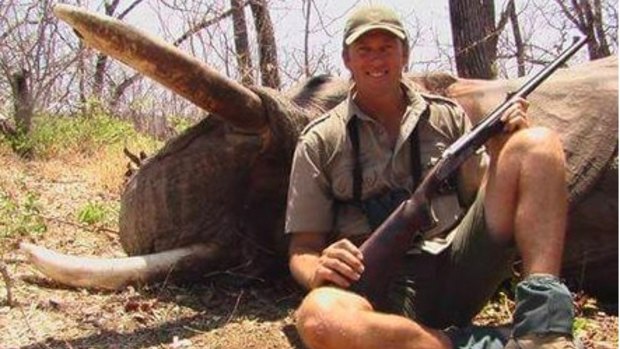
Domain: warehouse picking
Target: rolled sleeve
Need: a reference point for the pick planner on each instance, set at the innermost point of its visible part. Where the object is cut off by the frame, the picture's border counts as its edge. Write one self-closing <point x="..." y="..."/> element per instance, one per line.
<point x="310" y="205"/>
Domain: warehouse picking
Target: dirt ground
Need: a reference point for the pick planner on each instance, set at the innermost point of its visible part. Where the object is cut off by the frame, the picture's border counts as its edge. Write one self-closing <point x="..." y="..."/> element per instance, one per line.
<point x="224" y="311"/>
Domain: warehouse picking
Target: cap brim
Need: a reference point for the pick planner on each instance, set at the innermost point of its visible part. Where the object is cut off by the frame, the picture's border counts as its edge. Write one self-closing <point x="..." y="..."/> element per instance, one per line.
<point x="365" y="29"/>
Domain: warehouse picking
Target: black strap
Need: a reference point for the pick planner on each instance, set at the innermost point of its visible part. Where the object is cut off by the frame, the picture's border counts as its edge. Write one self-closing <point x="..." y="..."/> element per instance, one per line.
<point x="414" y="154"/>
<point x="357" y="166"/>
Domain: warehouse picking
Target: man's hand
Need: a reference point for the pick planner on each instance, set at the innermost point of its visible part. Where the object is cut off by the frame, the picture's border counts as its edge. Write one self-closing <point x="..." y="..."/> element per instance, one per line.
<point x="515" y="119"/>
<point x="340" y="263"/>
<point x="313" y="264"/>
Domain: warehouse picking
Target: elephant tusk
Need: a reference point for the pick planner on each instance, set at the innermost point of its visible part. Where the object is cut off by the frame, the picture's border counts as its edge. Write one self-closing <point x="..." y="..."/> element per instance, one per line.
<point x="176" y="70"/>
<point x="116" y="273"/>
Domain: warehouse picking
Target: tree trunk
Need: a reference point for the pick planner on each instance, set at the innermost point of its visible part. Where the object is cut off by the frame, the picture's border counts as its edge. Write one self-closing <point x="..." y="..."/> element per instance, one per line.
<point x="100" y="68"/>
<point x="22" y="101"/>
<point x="307" y="12"/>
<point x="587" y="17"/>
<point x="101" y="64"/>
<point x="600" y="30"/>
<point x="102" y="60"/>
<point x="244" y="60"/>
<point x="119" y="91"/>
<point x="516" y="30"/>
<point x="6" y="127"/>
<point x="81" y="67"/>
<point x="267" y="55"/>
<point x="474" y="38"/>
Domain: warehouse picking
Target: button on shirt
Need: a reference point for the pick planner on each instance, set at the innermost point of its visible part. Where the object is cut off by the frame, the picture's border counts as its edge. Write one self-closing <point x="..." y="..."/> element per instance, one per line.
<point x="321" y="184"/>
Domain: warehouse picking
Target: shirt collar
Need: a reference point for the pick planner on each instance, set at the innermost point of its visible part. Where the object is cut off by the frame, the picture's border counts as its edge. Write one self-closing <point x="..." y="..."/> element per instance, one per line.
<point x="415" y="107"/>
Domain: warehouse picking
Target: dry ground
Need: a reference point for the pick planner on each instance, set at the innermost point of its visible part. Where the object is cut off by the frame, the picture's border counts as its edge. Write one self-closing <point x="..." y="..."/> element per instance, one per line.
<point x="223" y="312"/>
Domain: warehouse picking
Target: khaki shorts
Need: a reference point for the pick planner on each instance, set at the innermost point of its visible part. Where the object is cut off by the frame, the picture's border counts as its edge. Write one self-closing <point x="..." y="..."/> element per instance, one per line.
<point x="450" y="288"/>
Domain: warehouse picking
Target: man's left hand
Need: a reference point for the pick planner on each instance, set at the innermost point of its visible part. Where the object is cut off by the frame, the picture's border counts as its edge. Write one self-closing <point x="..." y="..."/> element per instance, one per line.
<point x="515" y="118"/>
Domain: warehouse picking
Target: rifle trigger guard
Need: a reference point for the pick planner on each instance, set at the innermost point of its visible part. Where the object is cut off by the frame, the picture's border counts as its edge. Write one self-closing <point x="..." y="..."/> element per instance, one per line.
<point x="430" y="219"/>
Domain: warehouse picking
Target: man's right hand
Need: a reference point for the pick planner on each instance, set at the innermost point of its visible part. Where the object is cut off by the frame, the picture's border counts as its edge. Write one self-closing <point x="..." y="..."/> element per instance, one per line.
<point x="341" y="263"/>
<point x="313" y="265"/>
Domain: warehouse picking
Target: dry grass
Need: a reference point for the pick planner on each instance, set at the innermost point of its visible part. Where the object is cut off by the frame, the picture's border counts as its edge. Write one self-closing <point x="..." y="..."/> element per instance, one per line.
<point x="218" y="313"/>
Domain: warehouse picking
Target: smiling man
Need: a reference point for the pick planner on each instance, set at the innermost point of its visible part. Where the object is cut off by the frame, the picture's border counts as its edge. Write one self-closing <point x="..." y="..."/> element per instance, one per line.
<point x="353" y="166"/>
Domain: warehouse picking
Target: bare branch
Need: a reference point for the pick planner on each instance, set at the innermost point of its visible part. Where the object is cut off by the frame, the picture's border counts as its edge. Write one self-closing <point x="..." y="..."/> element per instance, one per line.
<point x="516" y="30"/>
<point x="570" y="16"/>
<point x="202" y="25"/>
<point x="8" y="282"/>
<point x="128" y="9"/>
<point x="110" y="8"/>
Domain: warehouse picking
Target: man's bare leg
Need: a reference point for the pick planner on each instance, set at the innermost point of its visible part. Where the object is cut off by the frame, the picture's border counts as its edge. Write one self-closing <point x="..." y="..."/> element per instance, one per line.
<point x="334" y="318"/>
<point x="526" y="202"/>
<point x="526" y="198"/>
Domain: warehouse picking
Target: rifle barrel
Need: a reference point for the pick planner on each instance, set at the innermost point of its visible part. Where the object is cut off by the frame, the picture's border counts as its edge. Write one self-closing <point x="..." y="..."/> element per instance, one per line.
<point x="491" y="124"/>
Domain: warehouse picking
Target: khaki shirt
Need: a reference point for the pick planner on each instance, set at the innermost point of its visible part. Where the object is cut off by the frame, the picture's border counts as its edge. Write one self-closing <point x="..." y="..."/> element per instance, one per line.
<point x="321" y="183"/>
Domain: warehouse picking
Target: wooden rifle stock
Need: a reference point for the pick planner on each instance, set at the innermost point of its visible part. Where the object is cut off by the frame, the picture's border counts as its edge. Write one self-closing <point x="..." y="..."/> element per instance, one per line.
<point x="385" y="248"/>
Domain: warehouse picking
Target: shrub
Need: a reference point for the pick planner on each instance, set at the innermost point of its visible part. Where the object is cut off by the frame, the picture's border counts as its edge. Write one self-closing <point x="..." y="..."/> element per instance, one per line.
<point x="97" y="214"/>
<point x="55" y="136"/>
<point x="20" y="218"/>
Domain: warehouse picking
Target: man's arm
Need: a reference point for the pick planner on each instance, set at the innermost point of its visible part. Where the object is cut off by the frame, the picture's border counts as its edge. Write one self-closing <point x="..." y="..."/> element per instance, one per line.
<point x="314" y="264"/>
<point x="472" y="171"/>
<point x="516" y="119"/>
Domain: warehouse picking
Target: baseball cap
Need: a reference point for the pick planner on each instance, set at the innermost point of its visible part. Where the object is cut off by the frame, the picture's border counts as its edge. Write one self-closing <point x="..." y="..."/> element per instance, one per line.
<point x="372" y="17"/>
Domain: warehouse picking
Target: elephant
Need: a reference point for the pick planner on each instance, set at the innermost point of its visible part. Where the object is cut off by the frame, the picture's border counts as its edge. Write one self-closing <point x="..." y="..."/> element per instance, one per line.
<point x="214" y="197"/>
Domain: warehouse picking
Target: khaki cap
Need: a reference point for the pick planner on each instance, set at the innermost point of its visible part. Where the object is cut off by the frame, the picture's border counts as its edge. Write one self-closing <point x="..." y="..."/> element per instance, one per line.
<point x="372" y="17"/>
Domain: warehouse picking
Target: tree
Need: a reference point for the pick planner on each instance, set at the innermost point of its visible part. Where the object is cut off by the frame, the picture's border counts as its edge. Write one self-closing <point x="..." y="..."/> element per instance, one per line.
<point x="34" y="60"/>
<point x="101" y="62"/>
<point x="475" y="35"/>
<point x="587" y="16"/>
<point x="22" y="100"/>
<point x="516" y="31"/>
<point x="268" y="58"/>
<point x="242" y="48"/>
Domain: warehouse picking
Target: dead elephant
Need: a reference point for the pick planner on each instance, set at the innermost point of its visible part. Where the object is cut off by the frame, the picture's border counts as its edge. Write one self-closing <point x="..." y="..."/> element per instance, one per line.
<point x="215" y="196"/>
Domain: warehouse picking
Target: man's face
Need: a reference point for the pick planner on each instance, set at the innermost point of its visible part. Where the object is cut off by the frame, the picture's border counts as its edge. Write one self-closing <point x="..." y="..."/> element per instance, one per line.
<point x="376" y="60"/>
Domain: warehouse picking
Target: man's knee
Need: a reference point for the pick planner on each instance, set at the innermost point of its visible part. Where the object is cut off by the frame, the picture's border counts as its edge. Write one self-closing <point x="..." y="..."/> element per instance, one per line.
<point x="312" y="318"/>
<point x="537" y="145"/>
<point x="319" y="316"/>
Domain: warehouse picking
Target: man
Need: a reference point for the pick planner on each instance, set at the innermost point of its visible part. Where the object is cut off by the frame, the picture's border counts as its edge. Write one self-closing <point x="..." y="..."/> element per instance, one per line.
<point x="356" y="164"/>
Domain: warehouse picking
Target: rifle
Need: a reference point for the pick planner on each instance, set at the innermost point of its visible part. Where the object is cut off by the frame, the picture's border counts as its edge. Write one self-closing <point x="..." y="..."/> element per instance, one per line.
<point x="384" y="249"/>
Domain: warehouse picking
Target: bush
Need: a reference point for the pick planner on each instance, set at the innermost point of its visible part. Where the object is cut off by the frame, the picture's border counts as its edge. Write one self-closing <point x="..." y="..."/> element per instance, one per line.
<point x="96" y="213"/>
<point x="19" y="143"/>
<point x="20" y="218"/>
<point x="94" y="144"/>
<point x="55" y="136"/>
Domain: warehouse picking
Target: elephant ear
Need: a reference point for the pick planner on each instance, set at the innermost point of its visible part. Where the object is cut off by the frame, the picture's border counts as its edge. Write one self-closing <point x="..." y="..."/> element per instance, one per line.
<point x="183" y="74"/>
